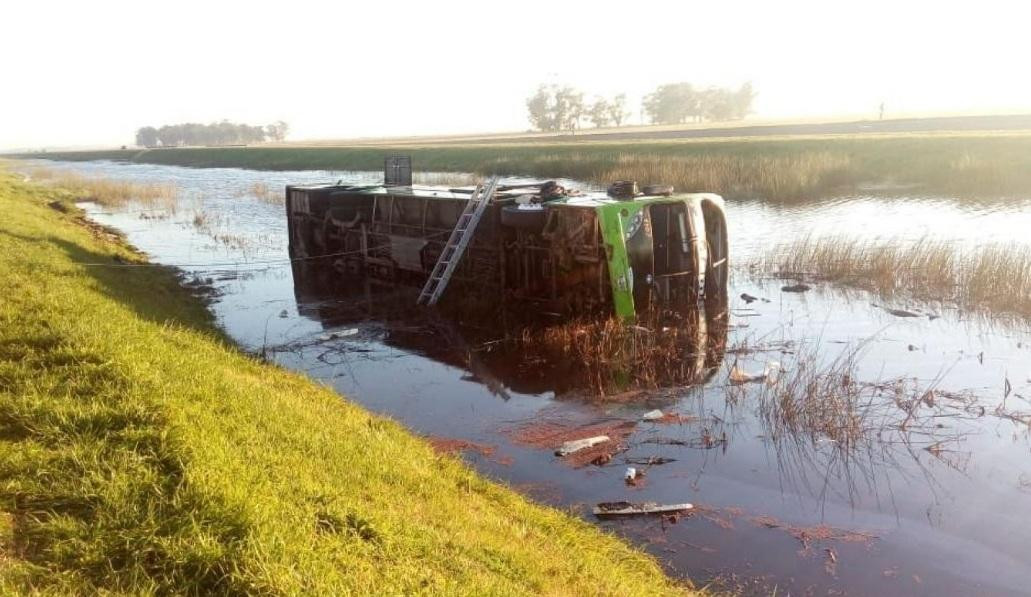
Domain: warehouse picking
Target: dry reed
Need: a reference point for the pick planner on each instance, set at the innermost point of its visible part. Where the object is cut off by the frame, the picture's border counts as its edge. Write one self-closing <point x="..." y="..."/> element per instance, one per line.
<point x="262" y="192"/>
<point x="818" y="401"/>
<point x="106" y="191"/>
<point x="815" y="400"/>
<point x="787" y="176"/>
<point x="992" y="278"/>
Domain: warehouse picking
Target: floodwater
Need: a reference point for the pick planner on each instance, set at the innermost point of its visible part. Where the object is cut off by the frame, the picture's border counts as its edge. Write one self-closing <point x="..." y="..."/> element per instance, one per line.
<point x="929" y="495"/>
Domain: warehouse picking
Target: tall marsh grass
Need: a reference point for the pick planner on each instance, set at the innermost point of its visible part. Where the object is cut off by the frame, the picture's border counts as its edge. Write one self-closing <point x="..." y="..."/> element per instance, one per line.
<point x="991" y="277"/>
<point x="262" y="192"/>
<point x="777" y="176"/>
<point x="107" y="191"/>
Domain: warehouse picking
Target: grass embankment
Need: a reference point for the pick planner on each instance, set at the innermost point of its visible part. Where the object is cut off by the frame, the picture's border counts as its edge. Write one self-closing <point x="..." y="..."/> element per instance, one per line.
<point x="142" y="453"/>
<point x="993" y="278"/>
<point x="988" y="165"/>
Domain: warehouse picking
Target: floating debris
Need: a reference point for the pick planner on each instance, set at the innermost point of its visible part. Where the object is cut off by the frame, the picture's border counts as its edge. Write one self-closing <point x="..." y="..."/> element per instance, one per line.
<point x="706" y="441"/>
<point x="659" y="460"/>
<point x="807" y="536"/>
<point x="652" y="415"/>
<point x="796" y="288"/>
<point x="632" y="509"/>
<point x="740" y="376"/>
<point x="339" y="334"/>
<point x="770" y="374"/>
<point x="831" y="563"/>
<point x="556" y="434"/>
<point x="781" y="346"/>
<point x="899" y="312"/>
<point x="573" y="446"/>
<point x="633" y="476"/>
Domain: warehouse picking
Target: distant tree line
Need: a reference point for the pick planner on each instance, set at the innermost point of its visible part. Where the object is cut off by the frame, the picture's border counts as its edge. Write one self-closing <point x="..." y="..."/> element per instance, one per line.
<point x="555" y="108"/>
<point x="677" y="103"/>
<point x="563" y="108"/>
<point x="216" y="133"/>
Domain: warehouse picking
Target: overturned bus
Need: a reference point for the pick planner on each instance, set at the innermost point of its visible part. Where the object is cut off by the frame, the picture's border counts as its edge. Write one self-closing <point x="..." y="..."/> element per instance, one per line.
<point x="536" y="246"/>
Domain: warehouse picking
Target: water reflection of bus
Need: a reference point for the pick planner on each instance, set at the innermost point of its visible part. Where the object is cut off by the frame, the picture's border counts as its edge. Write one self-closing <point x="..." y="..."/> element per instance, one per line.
<point x="508" y="349"/>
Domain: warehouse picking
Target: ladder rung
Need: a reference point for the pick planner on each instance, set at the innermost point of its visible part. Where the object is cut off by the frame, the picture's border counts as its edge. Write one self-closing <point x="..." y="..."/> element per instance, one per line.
<point x="457" y="242"/>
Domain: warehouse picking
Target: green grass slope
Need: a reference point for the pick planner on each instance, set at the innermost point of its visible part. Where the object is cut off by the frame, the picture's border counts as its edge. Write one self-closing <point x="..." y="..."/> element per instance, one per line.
<point x="141" y="453"/>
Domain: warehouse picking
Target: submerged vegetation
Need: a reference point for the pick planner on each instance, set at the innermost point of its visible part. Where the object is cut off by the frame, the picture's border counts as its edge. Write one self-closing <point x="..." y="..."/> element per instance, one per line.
<point x="991" y="277"/>
<point x="141" y="453"/>
<point x="784" y="169"/>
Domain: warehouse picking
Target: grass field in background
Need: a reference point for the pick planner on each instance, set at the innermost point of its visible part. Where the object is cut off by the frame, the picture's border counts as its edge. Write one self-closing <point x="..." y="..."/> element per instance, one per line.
<point x="784" y="169"/>
<point x="141" y="453"/>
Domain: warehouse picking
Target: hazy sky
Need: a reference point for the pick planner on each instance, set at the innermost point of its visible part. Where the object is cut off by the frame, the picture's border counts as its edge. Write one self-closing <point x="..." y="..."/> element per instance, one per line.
<point x="90" y="73"/>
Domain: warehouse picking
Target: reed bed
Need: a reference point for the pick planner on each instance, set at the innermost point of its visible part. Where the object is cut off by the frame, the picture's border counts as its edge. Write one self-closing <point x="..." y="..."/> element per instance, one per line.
<point x="265" y="194"/>
<point x="821" y="401"/>
<point x="733" y="175"/>
<point x="815" y="400"/>
<point x="107" y="191"/>
<point x="993" y="278"/>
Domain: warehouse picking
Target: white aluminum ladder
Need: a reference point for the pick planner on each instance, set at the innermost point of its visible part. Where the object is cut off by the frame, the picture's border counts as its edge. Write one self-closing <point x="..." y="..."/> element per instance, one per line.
<point x="456" y="244"/>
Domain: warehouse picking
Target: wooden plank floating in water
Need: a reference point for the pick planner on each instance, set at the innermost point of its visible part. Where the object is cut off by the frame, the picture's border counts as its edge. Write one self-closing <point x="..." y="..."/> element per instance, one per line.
<point x="632" y="509"/>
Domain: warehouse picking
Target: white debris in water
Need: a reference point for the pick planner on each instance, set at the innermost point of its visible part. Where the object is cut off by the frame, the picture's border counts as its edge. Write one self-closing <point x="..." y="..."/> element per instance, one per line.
<point x="653" y="415"/>
<point x="629" y="509"/>
<point x="340" y="334"/>
<point x="770" y="374"/>
<point x="740" y="376"/>
<point x="580" y="444"/>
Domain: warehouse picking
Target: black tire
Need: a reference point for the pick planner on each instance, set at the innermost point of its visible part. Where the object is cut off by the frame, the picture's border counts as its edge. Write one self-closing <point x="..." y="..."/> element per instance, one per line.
<point x="664" y="190"/>
<point x="531" y="220"/>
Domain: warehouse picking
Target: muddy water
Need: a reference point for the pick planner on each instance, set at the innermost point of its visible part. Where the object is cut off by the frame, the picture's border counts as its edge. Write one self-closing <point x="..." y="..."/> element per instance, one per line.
<point x="933" y="498"/>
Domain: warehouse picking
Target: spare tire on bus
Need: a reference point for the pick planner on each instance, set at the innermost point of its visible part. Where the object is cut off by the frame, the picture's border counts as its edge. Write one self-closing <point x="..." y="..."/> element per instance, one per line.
<point x="531" y="220"/>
